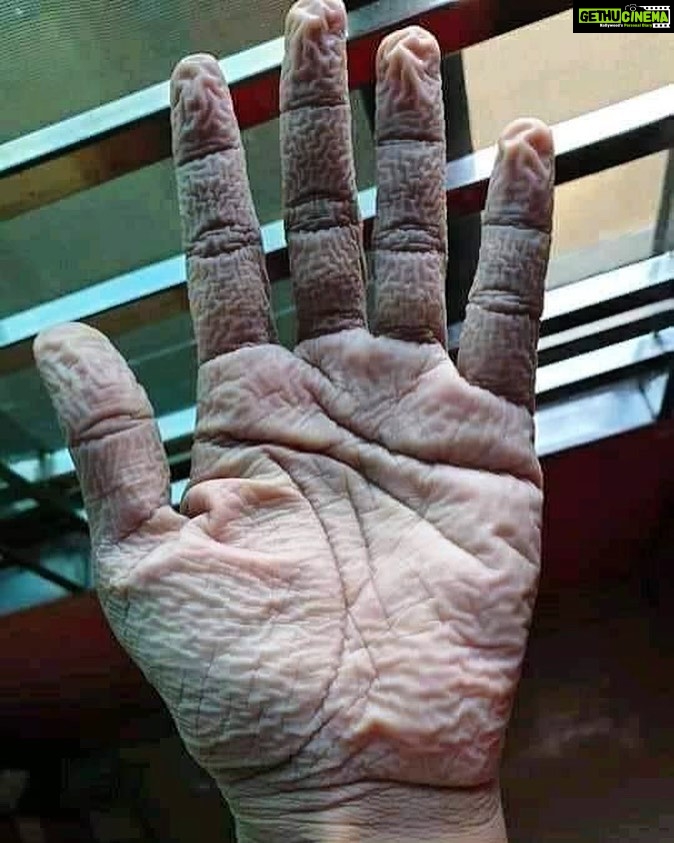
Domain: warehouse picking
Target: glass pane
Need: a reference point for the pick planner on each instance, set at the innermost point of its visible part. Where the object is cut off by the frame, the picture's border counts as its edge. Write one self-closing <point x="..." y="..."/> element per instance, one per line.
<point x="616" y="202"/>
<point x="133" y="221"/>
<point x="99" y="50"/>
<point x="548" y="71"/>
<point x="607" y="219"/>
<point x="163" y="358"/>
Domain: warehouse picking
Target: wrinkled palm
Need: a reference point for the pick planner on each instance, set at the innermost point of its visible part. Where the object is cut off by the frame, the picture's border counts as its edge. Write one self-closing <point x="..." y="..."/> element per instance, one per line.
<point x="348" y="592"/>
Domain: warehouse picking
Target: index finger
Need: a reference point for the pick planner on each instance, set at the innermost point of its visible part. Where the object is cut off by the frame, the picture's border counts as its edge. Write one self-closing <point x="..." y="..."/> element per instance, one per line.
<point x="226" y="276"/>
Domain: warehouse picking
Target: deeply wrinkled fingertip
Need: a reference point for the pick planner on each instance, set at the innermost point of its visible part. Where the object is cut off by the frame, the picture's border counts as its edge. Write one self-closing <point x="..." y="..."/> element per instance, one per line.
<point x="521" y="186"/>
<point x="413" y="43"/>
<point x="188" y="69"/>
<point x="533" y="133"/>
<point x="312" y="16"/>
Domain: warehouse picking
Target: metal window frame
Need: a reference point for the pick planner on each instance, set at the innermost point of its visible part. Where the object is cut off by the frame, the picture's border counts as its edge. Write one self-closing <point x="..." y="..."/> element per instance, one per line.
<point x="11" y="557"/>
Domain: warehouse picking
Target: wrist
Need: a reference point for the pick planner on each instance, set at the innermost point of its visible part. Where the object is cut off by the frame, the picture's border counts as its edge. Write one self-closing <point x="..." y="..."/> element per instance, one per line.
<point x="376" y="813"/>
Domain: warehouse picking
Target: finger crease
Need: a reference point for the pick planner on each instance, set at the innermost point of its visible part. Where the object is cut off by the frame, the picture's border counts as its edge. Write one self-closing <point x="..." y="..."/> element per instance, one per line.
<point x="317" y="225"/>
<point x="204" y="151"/>
<point x="506" y="305"/>
<point x="414" y="141"/>
<point x="335" y="198"/>
<point x="226" y="240"/>
<point x="100" y="429"/>
<point x="410" y="248"/>
<point x="337" y="101"/>
<point x="519" y="225"/>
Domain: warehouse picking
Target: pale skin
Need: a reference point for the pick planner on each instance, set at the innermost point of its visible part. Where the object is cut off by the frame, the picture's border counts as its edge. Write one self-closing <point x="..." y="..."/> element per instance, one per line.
<point x="337" y="615"/>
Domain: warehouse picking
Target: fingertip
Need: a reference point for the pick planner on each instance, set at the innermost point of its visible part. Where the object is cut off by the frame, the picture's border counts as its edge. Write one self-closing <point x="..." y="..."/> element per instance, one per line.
<point x="190" y="68"/>
<point x="409" y="88"/>
<point x="408" y="44"/>
<point x="326" y="15"/>
<point x="202" y="111"/>
<point x="532" y="131"/>
<point x="45" y="341"/>
<point x="522" y="182"/>
<point x="194" y="63"/>
<point x="53" y="339"/>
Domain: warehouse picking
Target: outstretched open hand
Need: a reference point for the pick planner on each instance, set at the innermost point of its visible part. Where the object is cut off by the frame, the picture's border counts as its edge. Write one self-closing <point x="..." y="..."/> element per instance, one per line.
<point x="345" y="594"/>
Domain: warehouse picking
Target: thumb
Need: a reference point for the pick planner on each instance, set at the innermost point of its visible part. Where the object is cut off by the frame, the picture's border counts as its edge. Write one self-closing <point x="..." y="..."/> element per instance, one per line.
<point x="110" y="429"/>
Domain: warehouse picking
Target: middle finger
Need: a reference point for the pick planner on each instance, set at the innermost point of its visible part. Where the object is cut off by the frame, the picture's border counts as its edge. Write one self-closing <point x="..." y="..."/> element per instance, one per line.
<point x="409" y="241"/>
<point x="322" y="220"/>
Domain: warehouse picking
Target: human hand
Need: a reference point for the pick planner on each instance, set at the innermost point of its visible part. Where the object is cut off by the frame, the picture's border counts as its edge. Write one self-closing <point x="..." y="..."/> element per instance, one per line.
<point x="337" y="616"/>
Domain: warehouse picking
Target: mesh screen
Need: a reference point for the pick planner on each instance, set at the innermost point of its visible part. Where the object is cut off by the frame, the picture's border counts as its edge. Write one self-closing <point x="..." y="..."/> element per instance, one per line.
<point x="60" y="57"/>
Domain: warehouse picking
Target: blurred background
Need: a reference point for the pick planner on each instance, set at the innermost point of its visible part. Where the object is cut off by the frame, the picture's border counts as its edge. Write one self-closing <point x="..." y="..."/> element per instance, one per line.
<point x="89" y="230"/>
